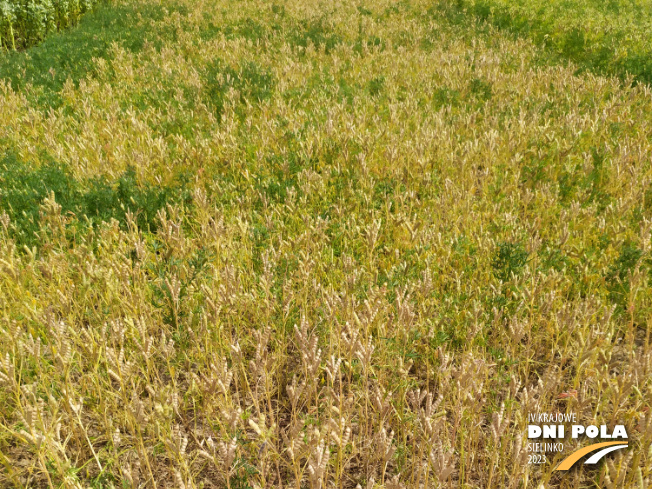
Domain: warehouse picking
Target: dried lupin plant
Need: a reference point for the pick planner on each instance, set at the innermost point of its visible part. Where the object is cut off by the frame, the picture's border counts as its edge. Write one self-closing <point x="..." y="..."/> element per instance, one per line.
<point x="459" y="229"/>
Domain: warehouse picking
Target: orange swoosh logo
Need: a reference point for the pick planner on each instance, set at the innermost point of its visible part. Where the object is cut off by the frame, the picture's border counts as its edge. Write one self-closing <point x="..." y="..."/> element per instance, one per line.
<point x="569" y="461"/>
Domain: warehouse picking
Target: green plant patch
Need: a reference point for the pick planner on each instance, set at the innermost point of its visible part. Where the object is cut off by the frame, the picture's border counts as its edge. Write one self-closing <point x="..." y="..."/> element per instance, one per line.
<point x="376" y="86"/>
<point x="480" y="89"/>
<point x="509" y="259"/>
<point x="445" y="97"/>
<point x="615" y="40"/>
<point x="618" y="276"/>
<point x="252" y="81"/>
<point x="23" y="189"/>
<point x="69" y="54"/>
<point x="316" y="32"/>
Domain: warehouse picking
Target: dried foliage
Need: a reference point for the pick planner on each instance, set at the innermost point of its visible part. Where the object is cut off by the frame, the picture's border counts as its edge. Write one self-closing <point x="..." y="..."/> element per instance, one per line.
<point x="320" y="245"/>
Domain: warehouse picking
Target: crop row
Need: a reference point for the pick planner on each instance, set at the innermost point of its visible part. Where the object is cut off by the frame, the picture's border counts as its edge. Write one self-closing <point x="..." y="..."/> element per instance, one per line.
<point x="27" y="22"/>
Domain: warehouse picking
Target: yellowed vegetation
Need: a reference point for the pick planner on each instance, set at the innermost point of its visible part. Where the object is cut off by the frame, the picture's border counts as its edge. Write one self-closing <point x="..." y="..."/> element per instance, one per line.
<point x="403" y="236"/>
